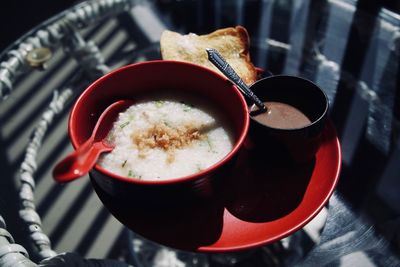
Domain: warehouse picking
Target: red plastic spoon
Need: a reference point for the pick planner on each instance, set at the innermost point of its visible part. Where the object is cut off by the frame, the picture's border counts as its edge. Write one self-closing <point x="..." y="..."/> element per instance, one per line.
<point x="82" y="160"/>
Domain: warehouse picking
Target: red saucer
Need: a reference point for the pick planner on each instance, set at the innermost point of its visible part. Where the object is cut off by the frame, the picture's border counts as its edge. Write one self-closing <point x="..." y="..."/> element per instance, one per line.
<point x="261" y="203"/>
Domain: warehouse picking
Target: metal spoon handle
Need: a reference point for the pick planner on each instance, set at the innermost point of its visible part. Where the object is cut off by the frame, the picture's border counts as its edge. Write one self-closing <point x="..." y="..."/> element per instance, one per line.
<point x="228" y="71"/>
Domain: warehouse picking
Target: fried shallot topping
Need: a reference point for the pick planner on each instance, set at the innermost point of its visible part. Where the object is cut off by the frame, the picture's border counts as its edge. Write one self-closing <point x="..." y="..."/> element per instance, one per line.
<point x="166" y="137"/>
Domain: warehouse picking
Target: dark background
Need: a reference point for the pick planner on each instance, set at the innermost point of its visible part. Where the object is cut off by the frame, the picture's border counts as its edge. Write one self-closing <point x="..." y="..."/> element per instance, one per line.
<point x="19" y="16"/>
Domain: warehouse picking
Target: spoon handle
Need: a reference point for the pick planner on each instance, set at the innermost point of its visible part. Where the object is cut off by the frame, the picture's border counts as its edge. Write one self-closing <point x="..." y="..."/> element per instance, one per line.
<point x="229" y="72"/>
<point x="80" y="161"/>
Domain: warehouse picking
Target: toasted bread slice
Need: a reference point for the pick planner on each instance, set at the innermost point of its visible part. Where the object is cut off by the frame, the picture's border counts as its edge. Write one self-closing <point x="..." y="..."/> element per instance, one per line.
<point x="232" y="43"/>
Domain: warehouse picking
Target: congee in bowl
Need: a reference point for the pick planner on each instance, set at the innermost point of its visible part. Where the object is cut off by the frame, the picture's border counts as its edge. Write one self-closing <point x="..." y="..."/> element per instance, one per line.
<point x="176" y="141"/>
<point x="161" y="137"/>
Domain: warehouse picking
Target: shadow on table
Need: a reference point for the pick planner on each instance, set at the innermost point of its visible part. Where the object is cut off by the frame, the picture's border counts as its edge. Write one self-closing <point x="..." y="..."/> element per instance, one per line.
<point x="261" y="190"/>
<point x="187" y="226"/>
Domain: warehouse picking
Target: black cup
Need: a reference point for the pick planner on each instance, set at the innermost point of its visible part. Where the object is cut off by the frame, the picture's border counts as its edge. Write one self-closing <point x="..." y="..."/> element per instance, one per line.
<point x="294" y="145"/>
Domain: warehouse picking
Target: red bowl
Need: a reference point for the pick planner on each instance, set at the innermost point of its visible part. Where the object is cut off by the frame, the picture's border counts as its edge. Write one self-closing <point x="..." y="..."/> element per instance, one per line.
<point x="130" y="82"/>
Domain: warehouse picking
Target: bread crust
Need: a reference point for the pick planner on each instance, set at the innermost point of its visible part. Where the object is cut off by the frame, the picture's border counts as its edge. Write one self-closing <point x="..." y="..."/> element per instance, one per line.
<point x="232" y="43"/>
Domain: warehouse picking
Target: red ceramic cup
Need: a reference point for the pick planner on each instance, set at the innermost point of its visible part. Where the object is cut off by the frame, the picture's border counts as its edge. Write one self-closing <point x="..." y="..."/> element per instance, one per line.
<point x="130" y="82"/>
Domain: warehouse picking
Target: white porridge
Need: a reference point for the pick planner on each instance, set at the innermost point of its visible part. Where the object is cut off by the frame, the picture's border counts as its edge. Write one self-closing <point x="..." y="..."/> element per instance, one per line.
<point x="166" y="139"/>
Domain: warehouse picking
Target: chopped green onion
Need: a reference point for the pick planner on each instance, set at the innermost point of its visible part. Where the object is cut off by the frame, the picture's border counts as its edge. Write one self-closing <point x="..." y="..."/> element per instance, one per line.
<point x="211" y="147"/>
<point x="209" y="143"/>
<point x="166" y="123"/>
<point x="133" y="174"/>
<point x="124" y="163"/>
<point x="124" y="124"/>
<point x="159" y="103"/>
<point x="110" y="138"/>
<point x="199" y="168"/>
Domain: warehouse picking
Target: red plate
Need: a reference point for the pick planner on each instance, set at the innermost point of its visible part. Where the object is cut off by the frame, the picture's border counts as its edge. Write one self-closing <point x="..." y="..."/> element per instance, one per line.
<point x="260" y="204"/>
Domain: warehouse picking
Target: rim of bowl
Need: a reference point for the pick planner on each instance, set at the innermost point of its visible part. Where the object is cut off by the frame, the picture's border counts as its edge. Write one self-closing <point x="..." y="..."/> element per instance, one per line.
<point x="324" y="113"/>
<point x="181" y="179"/>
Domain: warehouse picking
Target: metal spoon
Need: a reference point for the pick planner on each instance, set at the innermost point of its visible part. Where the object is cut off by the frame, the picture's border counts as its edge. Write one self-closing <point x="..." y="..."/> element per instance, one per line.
<point x="218" y="61"/>
<point x="82" y="160"/>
